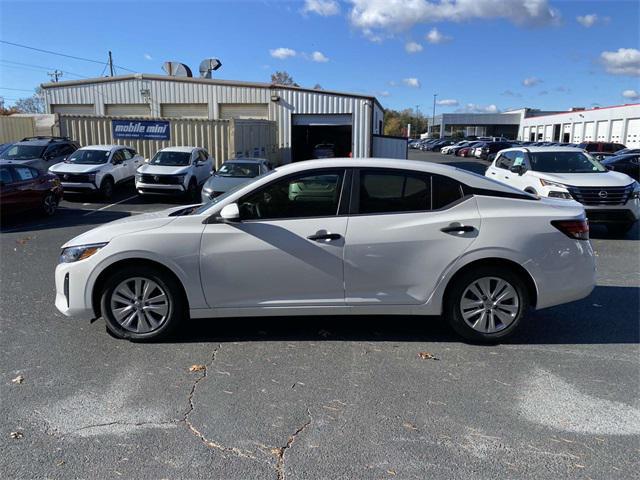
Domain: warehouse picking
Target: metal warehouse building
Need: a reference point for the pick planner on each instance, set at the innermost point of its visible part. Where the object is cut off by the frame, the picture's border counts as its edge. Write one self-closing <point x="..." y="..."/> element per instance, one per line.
<point x="304" y="117"/>
<point x="619" y="124"/>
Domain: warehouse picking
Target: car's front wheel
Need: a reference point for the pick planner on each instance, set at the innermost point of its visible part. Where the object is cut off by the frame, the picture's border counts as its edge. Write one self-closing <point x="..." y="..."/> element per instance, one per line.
<point x="106" y="188"/>
<point x="142" y="303"/>
<point x="486" y="304"/>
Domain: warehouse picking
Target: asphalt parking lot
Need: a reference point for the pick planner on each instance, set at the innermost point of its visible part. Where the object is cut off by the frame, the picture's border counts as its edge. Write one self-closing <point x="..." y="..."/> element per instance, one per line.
<point x="309" y="398"/>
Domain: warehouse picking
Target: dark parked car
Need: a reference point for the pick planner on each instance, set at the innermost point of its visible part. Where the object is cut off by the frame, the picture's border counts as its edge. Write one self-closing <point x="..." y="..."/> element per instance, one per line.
<point x="40" y="152"/>
<point x="26" y="188"/>
<point x="601" y="147"/>
<point x="324" y="150"/>
<point x="629" y="164"/>
<point x="491" y="148"/>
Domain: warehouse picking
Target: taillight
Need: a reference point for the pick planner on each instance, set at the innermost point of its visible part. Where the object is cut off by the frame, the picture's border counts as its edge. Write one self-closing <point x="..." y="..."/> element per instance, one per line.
<point x="576" y="229"/>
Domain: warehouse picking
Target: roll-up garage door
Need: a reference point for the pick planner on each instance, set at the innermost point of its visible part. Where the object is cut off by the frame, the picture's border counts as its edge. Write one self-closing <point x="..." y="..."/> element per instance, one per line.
<point x="589" y="131"/>
<point x="84" y="109"/>
<point x="616" y="131"/>
<point x="633" y="133"/>
<point x="318" y="120"/>
<point x="184" y="110"/>
<point x="601" y="131"/>
<point x="127" y="110"/>
<point x="244" y="110"/>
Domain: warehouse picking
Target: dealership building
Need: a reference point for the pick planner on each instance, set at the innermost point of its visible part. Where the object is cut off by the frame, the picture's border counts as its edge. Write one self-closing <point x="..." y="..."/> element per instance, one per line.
<point x="304" y="117"/>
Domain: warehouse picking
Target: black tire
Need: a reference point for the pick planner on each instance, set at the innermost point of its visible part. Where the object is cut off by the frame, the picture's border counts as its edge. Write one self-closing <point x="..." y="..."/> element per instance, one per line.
<point x="455" y="291"/>
<point x="192" y="191"/>
<point x="619" y="229"/>
<point x="106" y="188"/>
<point x="176" y="309"/>
<point x="49" y="204"/>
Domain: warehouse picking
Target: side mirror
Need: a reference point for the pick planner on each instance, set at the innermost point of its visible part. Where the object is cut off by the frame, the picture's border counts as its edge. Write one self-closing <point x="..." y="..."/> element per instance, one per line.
<point x="230" y="213"/>
<point x="519" y="169"/>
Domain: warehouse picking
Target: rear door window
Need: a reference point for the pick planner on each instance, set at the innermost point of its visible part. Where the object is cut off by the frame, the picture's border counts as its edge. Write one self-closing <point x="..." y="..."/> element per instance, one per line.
<point x="5" y="175"/>
<point x="25" y="173"/>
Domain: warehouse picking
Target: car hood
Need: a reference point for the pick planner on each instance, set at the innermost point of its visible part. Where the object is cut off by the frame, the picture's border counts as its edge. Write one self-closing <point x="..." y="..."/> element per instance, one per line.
<point x="222" y="184"/>
<point x="604" y="179"/>
<point x="74" y="168"/>
<point x="136" y="223"/>
<point x="163" y="169"/>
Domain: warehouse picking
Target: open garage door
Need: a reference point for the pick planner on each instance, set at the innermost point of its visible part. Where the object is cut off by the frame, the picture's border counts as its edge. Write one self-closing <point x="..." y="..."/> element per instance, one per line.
<point x="320" y="136"/>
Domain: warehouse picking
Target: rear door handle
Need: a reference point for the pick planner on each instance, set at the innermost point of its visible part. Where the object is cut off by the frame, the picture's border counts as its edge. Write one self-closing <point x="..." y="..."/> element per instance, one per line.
<point x="324" y="236"/>
<point x="453" y="228"/>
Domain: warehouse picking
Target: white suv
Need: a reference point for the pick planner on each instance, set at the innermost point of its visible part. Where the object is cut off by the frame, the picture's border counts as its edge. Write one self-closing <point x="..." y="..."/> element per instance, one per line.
<point x="97" y="168"/>
<point x="610" y="198"/>
<point x="175" y="170"/>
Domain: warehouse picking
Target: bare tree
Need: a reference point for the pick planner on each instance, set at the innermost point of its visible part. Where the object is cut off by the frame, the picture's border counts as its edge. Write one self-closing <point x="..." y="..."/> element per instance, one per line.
<point x="32" y="104"/>
<point x="283" y="78"/>
<point x="317" y="86"/>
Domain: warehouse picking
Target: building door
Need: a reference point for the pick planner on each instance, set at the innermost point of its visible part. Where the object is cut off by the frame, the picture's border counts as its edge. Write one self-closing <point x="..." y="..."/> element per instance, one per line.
<point x="321" y="136"/>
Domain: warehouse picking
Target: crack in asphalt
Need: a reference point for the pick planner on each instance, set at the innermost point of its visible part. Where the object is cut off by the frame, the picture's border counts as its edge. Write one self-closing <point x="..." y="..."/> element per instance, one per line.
<point x="280" y="452"/>
<point x="117" y="422"/>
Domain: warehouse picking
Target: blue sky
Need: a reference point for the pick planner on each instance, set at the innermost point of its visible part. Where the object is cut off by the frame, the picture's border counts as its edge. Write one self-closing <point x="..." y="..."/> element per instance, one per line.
<point x="480" y="55"/>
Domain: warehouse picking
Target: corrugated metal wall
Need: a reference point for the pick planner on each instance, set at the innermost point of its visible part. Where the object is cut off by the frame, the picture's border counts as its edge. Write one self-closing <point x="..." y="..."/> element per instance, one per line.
<point x="290" y="101"/>
<point x="13" y="129"/>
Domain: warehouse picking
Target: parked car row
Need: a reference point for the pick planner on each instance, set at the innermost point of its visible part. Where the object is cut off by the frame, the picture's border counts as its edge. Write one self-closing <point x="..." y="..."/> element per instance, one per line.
<point x="37" y="170"/>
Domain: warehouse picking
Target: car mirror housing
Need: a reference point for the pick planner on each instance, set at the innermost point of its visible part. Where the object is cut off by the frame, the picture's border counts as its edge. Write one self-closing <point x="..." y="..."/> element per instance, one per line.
<point x="230" y="213"/>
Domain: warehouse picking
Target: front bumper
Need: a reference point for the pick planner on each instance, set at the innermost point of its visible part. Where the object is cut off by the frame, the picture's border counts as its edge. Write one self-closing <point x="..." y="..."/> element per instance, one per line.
<point x="78" y="187"/>
<point x="159" y="189"/>
<point x="70" y="281"/>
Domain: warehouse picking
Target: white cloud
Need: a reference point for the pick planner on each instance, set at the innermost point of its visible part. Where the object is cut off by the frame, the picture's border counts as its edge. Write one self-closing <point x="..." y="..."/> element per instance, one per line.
<point x="393" y="83"/>
<point x="148" y="56"/>
<point x="384" y="93"/>
<point x="319" y="57"/>
<point x="475" y="108"/>
<point x="398" y="15"/>
<point x="413" y="47"/>
<point x="587" y="21"/>
<point x="411" y="82"/>
<point x="531" y="81"/>
<point x="282" y="53"/>
<point x="511" y="93"/>
<point x="324" y="8"/>
<point x="631" y="94"/>
<point x="448" y="102"/>
<point x="435" y="37"/>
<point x="626" y="61"/>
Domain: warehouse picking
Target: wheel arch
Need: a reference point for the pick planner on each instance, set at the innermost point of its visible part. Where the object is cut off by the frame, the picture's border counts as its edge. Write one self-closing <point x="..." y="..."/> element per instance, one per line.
<point x="501" y="262"/>
<point x="99" y="284"/>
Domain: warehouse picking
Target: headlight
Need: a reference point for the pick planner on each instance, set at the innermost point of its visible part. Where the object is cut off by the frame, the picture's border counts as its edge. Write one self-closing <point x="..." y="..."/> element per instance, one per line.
<point x="548" y="183"/>
<point x="556" y="194"/>
<point x="73" y="254"/>
<point x="636" y="190"/>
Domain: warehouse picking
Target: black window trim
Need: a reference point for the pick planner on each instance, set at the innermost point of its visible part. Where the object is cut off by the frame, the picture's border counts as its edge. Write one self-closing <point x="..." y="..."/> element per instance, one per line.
<point x="345" y="193"/>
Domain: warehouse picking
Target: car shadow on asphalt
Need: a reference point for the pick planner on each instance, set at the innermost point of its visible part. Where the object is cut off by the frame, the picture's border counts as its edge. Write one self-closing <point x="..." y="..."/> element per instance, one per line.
<point x="63" y="218"/>
<point x="608" y="316"/>
<point x="600" y="232"/>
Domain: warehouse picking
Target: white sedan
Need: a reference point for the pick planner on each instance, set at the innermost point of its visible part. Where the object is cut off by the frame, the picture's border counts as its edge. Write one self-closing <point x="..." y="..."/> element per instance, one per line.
<point x="339" y="236"/>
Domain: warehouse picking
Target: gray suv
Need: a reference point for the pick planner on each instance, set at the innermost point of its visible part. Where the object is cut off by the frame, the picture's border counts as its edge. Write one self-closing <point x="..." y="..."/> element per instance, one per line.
<point x="39" y="152"/>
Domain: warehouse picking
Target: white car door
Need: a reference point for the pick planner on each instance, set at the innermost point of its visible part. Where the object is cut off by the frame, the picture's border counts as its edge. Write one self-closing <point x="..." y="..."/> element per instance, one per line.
<point x="204" y="167"/>
<point x="119" y="165"/>
<point x="131" y="161"/>
<point x="499" y="170"/>
<point x="397" y="245"/>
<point x="286" y="250"/>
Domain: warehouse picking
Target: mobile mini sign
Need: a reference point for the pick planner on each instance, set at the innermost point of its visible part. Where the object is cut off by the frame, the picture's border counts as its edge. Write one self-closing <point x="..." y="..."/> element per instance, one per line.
<point x="141" y="129"/>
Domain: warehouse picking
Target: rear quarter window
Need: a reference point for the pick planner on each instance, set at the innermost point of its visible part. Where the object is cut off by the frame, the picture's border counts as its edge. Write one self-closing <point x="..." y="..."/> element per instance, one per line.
<point x="444" y="192"/>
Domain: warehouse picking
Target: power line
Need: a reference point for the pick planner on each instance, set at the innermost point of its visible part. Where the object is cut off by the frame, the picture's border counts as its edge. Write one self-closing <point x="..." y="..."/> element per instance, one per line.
<point x="39" y="67"/>
<point x="50" y="52"/>
<point x="16" y="89"/>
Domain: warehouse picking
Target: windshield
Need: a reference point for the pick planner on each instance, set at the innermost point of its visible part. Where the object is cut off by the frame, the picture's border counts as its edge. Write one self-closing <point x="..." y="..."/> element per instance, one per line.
<point x="238" y="169"/>
<point x="176" y="159"/>
<point x="23" y="152"/>
<point x="89" y="157"/>
<point x="564" y="162"/>
<point x="204" y="207"/>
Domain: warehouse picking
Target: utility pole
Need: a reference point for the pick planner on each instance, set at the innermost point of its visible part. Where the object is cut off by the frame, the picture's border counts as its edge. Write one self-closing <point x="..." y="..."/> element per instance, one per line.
<point x="55" y="75"/>
<point x="110" y="63"/>
<point x="418" y="119"/>
<point x="433" y="123"/>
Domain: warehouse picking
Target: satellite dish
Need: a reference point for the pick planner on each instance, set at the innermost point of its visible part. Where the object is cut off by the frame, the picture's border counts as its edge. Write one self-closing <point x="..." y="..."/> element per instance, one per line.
<point x="209" y="65"/>
<point x="177" y="69"/>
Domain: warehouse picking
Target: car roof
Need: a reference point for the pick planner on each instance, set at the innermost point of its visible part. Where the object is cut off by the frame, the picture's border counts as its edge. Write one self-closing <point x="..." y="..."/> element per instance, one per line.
<point x="178" y="149"/>
<point x="106" y="148"/>
<point x="556" y="148"/>
<point x="246" y="160"/>
<point x="464" y="176"/>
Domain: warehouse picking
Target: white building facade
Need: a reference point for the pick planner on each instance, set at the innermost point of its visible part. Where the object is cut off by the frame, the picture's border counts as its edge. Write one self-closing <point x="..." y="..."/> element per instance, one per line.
<point x="617" y="124"/>
<point x="304" y="117"/>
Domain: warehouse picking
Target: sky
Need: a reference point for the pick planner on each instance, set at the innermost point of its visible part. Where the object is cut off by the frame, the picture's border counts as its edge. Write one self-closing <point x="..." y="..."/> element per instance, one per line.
<point x="476" y="55"/>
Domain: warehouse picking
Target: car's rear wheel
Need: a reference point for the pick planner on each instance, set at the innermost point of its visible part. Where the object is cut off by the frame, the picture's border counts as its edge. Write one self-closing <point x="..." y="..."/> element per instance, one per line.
<point x="142" y="304"/>
<point x="619" y="229"/>
<point x="486" y="304"/>
<point x="106" y="188"/>
<point x="49" y="204"/>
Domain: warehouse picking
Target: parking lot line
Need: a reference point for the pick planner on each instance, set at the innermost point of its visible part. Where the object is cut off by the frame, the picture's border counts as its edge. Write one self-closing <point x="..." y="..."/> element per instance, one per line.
<point x="109" y="206"/>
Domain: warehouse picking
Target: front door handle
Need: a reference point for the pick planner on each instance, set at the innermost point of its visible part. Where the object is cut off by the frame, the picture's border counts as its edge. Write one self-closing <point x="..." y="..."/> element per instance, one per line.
<point x="318" y="237"/>
<point x="458" y="228"/>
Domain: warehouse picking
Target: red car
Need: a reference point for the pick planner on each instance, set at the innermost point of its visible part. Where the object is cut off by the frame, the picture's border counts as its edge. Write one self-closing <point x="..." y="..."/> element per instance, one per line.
<point x="463" y="152"/>
<point x="26" y="188"/>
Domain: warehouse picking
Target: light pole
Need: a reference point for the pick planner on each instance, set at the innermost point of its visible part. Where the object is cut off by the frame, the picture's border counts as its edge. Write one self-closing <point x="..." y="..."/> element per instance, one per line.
<point x="433" y="121"/>
<point x="417" y="119"/>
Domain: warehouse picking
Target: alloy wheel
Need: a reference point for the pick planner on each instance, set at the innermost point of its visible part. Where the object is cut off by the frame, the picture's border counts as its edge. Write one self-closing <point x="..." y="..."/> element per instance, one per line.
<point x="489" y="304"/>
<point x="49" y="204"/>
<point x="139" y="305"/>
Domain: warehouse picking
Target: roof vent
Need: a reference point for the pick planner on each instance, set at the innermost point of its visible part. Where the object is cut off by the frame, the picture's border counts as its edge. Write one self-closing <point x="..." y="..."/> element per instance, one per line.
<point x="209" y="65"/>
<point x="177" y="69"/>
